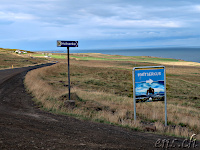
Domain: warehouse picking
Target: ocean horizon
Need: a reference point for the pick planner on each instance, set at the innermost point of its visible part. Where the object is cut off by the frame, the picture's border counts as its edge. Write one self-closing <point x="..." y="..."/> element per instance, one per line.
<point x="186" y="54"/>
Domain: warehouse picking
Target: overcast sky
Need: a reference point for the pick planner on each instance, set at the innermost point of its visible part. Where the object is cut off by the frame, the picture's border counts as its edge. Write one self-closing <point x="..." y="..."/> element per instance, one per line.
<point x="103" y="24"/>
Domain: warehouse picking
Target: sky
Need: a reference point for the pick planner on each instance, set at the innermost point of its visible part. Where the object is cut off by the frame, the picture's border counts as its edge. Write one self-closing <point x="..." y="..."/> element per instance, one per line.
<point x="104" y="24"/>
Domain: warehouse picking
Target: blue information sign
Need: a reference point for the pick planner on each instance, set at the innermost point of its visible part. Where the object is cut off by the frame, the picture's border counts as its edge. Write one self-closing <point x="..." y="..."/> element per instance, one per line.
<point x="149" y="84"/>
<point x="67" y="43"/>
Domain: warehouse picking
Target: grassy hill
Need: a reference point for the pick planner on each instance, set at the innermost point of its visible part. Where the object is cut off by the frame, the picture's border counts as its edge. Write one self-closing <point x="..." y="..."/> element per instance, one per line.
<point x="9" y="58"/>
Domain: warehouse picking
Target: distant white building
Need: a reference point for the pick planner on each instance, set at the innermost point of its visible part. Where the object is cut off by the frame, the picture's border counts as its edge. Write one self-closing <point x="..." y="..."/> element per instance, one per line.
<point x="18" y="51"/>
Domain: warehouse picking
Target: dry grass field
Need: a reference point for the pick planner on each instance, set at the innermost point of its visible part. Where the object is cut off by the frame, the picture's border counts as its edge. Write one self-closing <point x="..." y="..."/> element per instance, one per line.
<point x="9" y="59"/>
<point x="102" y="89"/>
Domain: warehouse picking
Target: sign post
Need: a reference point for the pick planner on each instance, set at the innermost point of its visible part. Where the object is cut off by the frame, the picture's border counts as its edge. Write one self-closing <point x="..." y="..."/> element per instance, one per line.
<point x="149" y="85"/>
<point x="68" y="44"/>
<point x="68" y="72"/>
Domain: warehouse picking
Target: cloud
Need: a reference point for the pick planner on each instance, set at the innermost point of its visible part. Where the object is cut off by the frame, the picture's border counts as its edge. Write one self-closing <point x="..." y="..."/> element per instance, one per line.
<point x="16" y="16"/>
<point x="138" y="23"/>
<point x="196" y="8"/>
<point x="146" y="22"/>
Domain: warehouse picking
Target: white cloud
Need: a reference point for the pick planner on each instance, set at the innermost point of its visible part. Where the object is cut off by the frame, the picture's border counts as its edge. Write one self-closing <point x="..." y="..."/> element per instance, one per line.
<point x="16" y="16"/>
<point x="138" y="23"/>
<point x="196" y="8"/>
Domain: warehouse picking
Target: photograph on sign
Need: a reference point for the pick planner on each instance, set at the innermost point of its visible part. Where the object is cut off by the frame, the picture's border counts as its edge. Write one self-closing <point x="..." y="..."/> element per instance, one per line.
<point x="149" y="84"/>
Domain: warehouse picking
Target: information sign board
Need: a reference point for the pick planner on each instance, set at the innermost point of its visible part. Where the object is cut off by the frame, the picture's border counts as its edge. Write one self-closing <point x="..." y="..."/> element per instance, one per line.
<point x="149" y="84"/>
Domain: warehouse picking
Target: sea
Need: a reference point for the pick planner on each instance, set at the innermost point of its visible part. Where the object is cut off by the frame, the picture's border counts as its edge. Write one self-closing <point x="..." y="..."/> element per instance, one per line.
<point x="187" y="54"/>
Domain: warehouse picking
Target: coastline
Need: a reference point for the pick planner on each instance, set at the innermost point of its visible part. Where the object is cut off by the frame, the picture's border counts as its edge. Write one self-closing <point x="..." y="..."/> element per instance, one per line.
<point x="178" y="63"/>
<point x="114" y="57"/>
<point x="186" y="54"/>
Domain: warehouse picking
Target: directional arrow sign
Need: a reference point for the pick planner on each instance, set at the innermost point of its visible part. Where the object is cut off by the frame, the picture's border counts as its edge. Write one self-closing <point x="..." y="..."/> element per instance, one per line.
<point x="149" y="85"/>
<point x="149" y="81"/>
<point x="67" y="43"/>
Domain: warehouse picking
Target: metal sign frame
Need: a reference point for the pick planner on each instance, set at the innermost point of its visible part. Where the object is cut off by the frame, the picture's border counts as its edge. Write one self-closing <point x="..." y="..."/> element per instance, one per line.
<point x="134" y="90"/>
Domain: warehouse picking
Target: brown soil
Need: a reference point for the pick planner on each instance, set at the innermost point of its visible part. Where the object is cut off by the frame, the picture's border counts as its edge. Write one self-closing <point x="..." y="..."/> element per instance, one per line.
<point x="24" y="126"/>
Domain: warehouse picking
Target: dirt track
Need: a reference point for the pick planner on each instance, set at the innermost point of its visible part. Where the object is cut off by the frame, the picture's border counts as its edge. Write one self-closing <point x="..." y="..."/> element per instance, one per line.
<point x="24" y="126"/>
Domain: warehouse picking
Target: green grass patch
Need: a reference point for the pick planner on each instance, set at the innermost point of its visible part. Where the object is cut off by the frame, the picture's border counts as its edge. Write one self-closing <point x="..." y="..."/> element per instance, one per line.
<point x="59" y="56"/>
<point x="38" y="55"/>
<point x="158" y="59"/>
<point x="53" y="56"/>
<point x="126" y="58"/>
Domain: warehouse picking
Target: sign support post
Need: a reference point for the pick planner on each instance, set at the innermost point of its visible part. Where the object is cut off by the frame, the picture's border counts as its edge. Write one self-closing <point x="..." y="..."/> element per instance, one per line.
<point x="165" y="100"/>
<point x="68" y="44"/>
<point x="134" y="101"/>
<point x="68" y="71"/>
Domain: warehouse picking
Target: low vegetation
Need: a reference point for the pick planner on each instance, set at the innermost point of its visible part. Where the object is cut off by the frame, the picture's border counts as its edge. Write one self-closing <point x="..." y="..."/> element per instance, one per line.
<point x="102" y="90"/>
<point x="9" y="59"/>
<point x="50" y="55"/>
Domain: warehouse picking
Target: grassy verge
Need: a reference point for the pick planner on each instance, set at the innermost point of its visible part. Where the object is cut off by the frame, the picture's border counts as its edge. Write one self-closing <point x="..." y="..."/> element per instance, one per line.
<point x="103" y="92"/>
